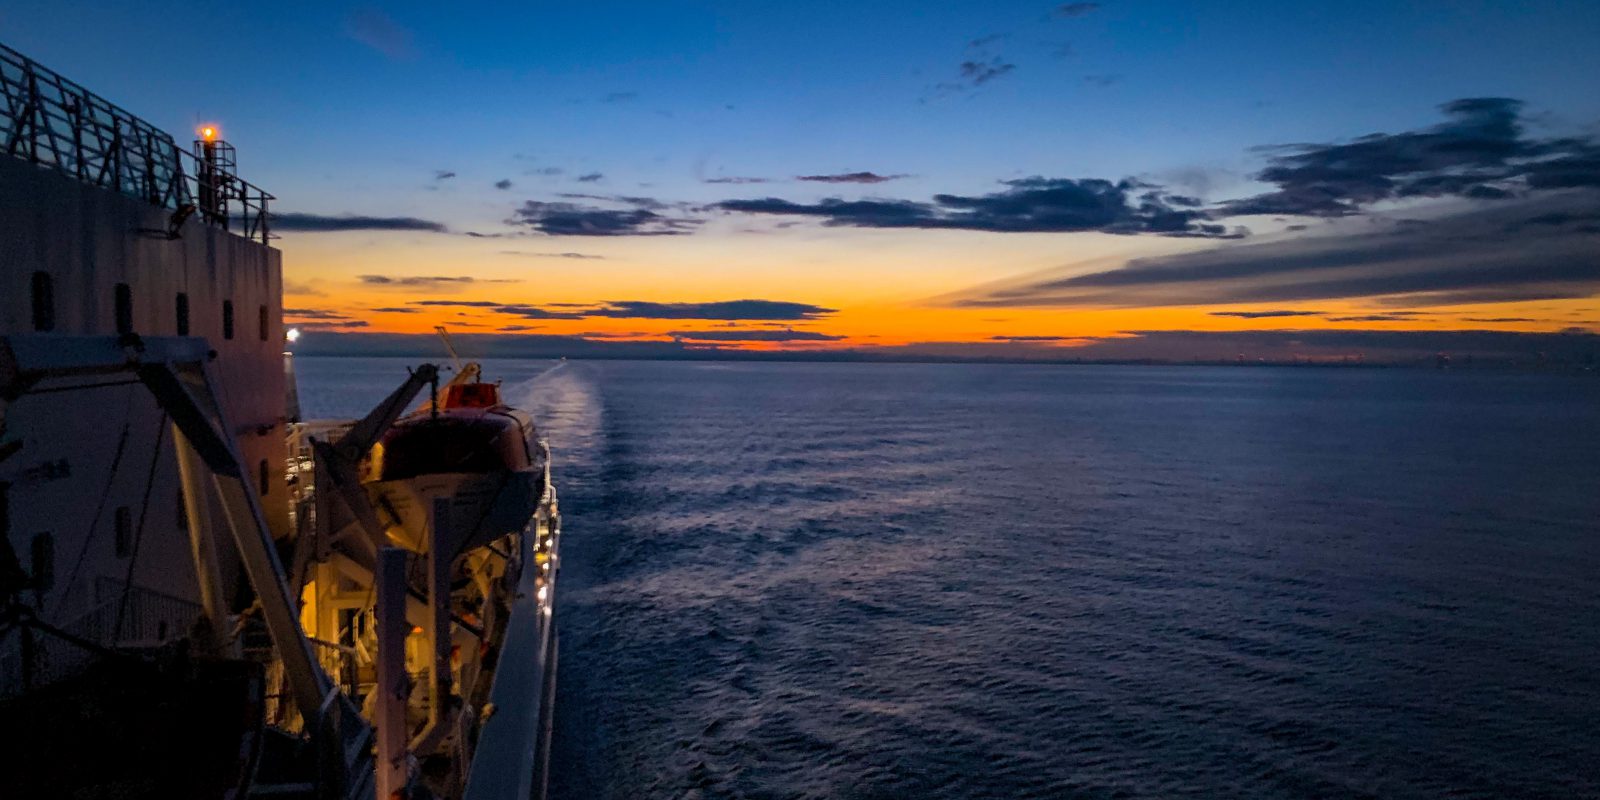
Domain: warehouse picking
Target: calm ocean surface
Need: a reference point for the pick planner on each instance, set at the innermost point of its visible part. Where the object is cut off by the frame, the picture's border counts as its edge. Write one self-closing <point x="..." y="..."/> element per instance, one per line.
<point x="876" y="581"/>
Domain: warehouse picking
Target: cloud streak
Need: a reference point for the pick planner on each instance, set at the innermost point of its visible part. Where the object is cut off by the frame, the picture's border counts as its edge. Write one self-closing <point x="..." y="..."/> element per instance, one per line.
<point x="850" y="177"/>
<point x="1266" y="314"/>
<point x="761" y="335"/>
<point x="1069" y="10"/>
<point x="427" y="281"/>
<point x="978" y="73"/>
<point x="1469" y="257"/>
<point x="319" y="223"/>
<point x="567" y="255"/>
<point x="721" y="310"/>
<point x="380" y="32"/>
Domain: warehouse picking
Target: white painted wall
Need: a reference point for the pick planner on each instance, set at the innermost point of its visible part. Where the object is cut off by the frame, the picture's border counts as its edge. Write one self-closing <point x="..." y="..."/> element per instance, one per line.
<point x="90" y="239"/>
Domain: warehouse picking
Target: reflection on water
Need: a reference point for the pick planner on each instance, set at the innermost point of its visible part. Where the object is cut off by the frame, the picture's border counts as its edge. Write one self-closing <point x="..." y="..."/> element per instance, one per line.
<point x="1010" y="581"/>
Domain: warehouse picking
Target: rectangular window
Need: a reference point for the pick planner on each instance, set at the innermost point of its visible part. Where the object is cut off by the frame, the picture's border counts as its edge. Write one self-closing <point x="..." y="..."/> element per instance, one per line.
<point x="44" y="562"/>
<point x="263" y="323"/>
<point x="44" y="302"/>
<point x="183" y="314"/>
<point x="123" y="294"/>
<point x="227" y="319"/>
<point x="124" y="531"/>
<point x="266" y="478"/>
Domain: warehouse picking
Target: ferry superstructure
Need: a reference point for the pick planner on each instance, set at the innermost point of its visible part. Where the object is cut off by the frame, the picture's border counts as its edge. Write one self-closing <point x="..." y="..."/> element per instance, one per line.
<point x="202" y="595"/>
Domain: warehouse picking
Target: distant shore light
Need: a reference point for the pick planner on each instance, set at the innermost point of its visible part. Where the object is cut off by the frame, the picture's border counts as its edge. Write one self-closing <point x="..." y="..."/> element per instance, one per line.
<point x="293" y="334"/>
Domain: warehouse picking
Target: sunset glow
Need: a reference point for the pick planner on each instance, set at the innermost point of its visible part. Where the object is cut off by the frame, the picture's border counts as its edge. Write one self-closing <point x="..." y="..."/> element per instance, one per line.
<point x="1000" y="180"/>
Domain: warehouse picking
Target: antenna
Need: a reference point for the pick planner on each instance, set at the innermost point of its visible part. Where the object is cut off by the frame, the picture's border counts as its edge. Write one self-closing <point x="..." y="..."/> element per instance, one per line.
<point x="448" y="346"/>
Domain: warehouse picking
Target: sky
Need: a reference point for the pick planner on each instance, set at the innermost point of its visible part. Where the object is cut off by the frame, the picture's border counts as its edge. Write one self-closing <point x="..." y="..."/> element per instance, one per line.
<point x="1008" y="179"/>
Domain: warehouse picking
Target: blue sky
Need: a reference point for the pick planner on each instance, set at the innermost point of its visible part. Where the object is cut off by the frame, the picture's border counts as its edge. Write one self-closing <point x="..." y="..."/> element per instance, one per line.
<point x="814" y="87"/>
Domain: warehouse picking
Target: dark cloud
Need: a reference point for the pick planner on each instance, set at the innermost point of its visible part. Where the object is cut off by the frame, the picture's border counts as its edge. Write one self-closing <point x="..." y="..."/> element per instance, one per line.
<point x="314" y="313"/>
<point x="1028" y="205"/>
<point x="1075" y="9"/>
<point x="1033" y="338"/>
<point x="622" y="199"/>
<point x="514" y="309"/>
<point x="591" y="177"/>
<point x="569" y="255"/>
<point x="1498" y="319"/>
<point x="503" y="184"/>
<point x="1479" y="152"/>
<point x="1266" y="314"/>
<point x="1580" y="221"/>
<point x="427" y="281"/>
<point x="738" y="180"/>
<point x="395" y="310"/>
<point x="318" y="223"/>
<point x="443" y="175"/>
<point x="722" y="310"/>
<point x="971" y="74"/>
<point x="620" y="97"/>
<point x="1372" y="318"/>
<point x="978" y="73"/>
<point x="461" y="303"/>
<point x="850" y="177"/>
<point x="348" y="323"/>
<point x="548" y="172"/>
<point x="641" y="309"/>
<point x="572" y="219"/>
<point x="762" y="335"/>
<point x="1466" y="258"/>
<point x="535" y="312"/>
<point x="380" y="32"/>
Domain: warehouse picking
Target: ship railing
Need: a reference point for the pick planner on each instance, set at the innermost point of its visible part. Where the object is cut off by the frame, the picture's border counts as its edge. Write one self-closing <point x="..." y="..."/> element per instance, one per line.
<point x="32" y="658"/>
<point x="125" y="614"/>
<point x="57" y="123"/>
<point x="342" y="662"/>
<point x="120" y="616"/>
<point x="349" y="666"/>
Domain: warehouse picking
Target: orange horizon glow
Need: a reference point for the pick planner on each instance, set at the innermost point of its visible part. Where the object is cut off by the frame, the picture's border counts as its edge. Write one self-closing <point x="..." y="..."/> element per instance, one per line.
<point x="882" y="290"/>
<point x="882" y="324"/>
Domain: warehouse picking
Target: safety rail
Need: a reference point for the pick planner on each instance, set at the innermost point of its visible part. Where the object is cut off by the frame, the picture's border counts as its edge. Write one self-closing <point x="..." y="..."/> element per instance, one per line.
<point x="55" y="122"/>
<point x="122" y="616"/>
<point x="125" y="614"/>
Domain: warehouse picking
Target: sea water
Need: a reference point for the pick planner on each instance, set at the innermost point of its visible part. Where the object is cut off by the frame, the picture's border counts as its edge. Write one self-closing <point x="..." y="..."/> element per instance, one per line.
<point x="1001" y="581"/>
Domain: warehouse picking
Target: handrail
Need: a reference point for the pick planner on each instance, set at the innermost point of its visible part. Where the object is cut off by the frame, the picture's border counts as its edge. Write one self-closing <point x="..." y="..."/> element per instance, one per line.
<point x="55" y="122"/>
